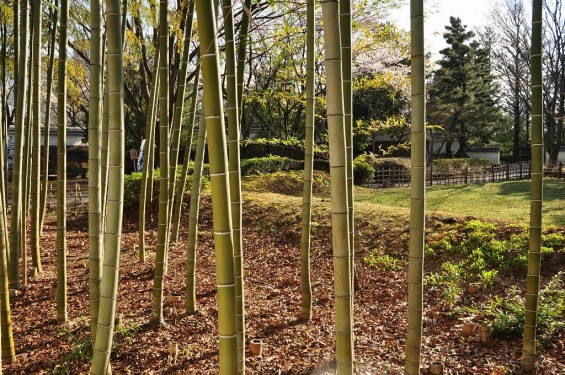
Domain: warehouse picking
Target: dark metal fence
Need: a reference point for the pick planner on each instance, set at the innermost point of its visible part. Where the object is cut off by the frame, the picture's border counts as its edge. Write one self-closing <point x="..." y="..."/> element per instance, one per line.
<point x="393" y="177"/>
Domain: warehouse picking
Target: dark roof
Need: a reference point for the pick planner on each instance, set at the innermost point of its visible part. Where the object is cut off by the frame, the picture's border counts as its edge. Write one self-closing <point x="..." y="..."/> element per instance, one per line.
<point x="483" y="149"/>
<point x="53" y="130"/>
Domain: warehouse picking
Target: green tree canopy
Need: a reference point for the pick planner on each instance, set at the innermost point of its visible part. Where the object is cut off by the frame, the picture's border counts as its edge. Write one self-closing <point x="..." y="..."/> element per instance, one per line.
<point x="463" y="92"/>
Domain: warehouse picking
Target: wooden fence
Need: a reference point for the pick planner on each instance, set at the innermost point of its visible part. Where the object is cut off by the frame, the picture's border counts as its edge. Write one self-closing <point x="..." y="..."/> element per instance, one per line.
<point x="393" y="177"/>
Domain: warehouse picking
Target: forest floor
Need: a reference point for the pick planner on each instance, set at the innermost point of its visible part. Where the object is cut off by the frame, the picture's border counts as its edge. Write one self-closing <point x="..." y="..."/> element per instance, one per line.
<point x="272" y="293"/>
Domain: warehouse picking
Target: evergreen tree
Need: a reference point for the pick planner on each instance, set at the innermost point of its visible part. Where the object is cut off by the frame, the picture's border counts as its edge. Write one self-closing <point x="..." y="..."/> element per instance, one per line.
<point x="463" y="91"/>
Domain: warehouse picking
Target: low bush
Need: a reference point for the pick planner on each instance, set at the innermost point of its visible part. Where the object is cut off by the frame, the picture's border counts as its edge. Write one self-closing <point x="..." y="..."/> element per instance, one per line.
<point x="289" y="183"/>
<point x="506" y="315"/>
<point x="132" y="185"/>
<point x="269" y="164"/>
<point x="363" y="172"/>
<point x="379" y="162"/>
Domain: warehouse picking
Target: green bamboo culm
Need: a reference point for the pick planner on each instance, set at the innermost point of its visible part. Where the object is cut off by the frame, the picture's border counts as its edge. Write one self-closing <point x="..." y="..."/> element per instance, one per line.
<point x="178" y="111"/>
<point x="163" y="220"/>
<point x="94" y="171"/>
<point x="62" y="166"/>
<point x="145" y="198"/>
<point x="306" y="287"/>
<point x="190" y="291"/>
<point x="179" y="193"/>
<point x="36" y="154"/>
<point x="47" y="127"/>
<point x="104" y="148"/>
<point x="418" y="191"/>
<point x="242" y="51"/>
<point x="535" y="239"/>
<point x="345" y="28"/>
<point x="7" y="338"/>
<point x="235" y="177"/>
<point x="221" y="209"/>
<point x="113" y="233"/>
<point x="17" y="194"/>
<point x="338" y="187"/>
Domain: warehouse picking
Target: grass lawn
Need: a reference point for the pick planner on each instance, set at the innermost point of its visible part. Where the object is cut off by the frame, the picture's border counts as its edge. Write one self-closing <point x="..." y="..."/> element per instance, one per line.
<point x="508" y="201"/>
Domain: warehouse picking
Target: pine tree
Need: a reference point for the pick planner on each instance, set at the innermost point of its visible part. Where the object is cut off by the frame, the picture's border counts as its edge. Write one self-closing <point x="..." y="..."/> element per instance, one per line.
<point x="462" y="92"/>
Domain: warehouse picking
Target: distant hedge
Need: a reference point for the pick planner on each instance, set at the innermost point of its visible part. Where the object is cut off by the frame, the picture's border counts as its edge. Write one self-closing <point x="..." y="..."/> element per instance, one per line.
<point x="132" y="185"/>
<point x="269" y="164"/>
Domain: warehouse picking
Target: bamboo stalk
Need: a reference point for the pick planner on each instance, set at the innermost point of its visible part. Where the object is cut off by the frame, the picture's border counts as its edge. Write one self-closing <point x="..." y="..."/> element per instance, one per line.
<point x="418" y="192"/>
<point x="188" y="147"/>
<point x="235" y="177"/>
<point x="306" y="287"/>
<point x="62" y="166"/>
<point x="113" y="232"/>
<point x="221" y="210"/>
<point x="47" y="127"/>
<point x="145" y="197"/>
<point x="95" y="240"/>
<point x="535" y="239"/>
<point x="190" y="290"/>
<point x="163" y="220"/>
<point x="338" y="186"/>
<point x="36" y="154"/>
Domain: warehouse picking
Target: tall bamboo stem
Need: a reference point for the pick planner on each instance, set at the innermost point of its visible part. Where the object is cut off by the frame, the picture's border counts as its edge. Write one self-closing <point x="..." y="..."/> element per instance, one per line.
<point x="94" y="169"/>
<point x="221" y="210"/>
<point x="145" y="198"/>
<point x="178" y="110"/>
<point x="235" y="177"/>
<point x="17" y="201"/>
<point x="113" y="232"/>
<point x="190" y="291"/>
<point x="62" y="166"/>
<point x="47" y="127"/>
<point x="418" y="192"/>
<point x="162" y="231"/>
<point x="187" y="149"/>
<point x="36" y="155"/>
<point x="306" y="307"/>
<point x="535" y="239"/>
<point x="338" y="186"/>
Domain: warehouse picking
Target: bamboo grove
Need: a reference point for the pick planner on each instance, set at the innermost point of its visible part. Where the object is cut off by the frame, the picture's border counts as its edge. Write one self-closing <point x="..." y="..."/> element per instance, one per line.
<point x="185" y="85"/>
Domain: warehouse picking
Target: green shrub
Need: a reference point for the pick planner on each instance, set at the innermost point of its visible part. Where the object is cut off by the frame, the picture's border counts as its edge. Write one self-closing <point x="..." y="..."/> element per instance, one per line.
<point x="269" y="164"/>
<point x="363" y="172"/>
<point x="380" y="162"/>
<point x="322" y="165"/>
<point x="507" y="314"/>
<point x="382" y="262"/>
<point x="132" y="185"/>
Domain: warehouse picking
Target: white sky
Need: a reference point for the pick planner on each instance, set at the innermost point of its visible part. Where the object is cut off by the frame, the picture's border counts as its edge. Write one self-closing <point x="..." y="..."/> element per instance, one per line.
<point x="473" y="13"/>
